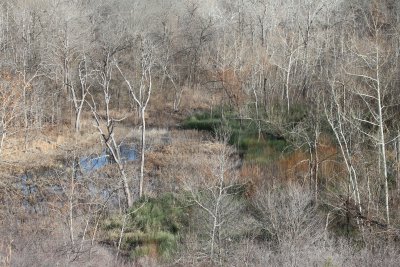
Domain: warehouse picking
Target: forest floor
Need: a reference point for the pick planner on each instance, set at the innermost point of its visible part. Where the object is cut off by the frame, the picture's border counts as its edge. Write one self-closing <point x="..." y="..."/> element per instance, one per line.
<point x="48" y="146"/>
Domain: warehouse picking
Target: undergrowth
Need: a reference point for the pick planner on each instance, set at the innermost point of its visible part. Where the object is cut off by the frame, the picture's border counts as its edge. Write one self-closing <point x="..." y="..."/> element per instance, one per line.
<point x="153" y="228"/>
<point x="256" y="143"/>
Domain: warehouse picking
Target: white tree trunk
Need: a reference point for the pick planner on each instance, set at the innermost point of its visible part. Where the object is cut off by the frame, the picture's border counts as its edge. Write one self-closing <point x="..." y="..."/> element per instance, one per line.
<point x="143" y="148"/>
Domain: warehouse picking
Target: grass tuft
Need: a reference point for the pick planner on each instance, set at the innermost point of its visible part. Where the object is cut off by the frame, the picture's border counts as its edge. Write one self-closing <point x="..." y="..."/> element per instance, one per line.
<point x="153" y="230"/>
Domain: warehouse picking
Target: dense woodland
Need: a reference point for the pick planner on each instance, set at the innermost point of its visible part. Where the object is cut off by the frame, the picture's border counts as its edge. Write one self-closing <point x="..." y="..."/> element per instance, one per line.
<point x="199" y="133"/>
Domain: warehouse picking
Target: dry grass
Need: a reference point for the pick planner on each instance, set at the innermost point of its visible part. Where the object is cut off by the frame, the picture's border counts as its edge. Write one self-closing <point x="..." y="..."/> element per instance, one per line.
<point x="45" y="146"/>
<point x="176" y="163"/>
<point x="154" y="136"/>
<point x="5" y="252"/>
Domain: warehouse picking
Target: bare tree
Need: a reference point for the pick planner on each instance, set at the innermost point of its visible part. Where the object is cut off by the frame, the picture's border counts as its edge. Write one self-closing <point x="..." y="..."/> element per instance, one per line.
<point x="68" y="49"/>
<point x="215" y="196"/>
<point x="336" y="111"/>
<point x="289" y="218"/>
<point x="106" y="126"/>
<point x="84" y="76"/>
<point x="10" y="104"/>
<point x="141" y="95"/>
<point x="375" y="73"/>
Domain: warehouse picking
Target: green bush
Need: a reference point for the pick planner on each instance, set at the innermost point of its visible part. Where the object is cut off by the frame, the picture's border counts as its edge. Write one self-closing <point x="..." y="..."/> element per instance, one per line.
<point x="202" y="124"/>
<point x="154" y="226"/>
<point x="243" y="134"/>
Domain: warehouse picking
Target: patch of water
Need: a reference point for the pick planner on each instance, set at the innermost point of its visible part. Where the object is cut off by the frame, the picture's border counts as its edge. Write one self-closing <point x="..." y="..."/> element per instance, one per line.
<point x="31" y="198"/>
<point x="87" y="164"/>
<point x="92" y="163"/>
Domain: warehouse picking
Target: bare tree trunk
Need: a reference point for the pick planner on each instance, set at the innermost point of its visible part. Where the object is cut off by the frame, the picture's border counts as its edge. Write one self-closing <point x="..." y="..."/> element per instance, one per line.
<point x="71" y="205"/>
<point x="397" y="144"/>
<point x="142" y="153"/>
<point x="78" y="120"/>
<point x="382" y="138"/>
<point x="3" y="133"/>
<point x="83" y="77"/>
<point x="315" y="166"/>
<point x="257" y="113"/>
<point x="287" y="82"/>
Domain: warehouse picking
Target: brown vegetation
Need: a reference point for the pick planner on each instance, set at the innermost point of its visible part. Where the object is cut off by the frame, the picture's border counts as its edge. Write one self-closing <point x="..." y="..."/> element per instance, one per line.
<point x="272" y="127"/>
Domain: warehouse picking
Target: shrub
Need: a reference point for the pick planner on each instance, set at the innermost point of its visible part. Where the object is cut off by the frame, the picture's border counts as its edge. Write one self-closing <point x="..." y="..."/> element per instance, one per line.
<point x="243" y="134"/>
<point x="153" y="228"/>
